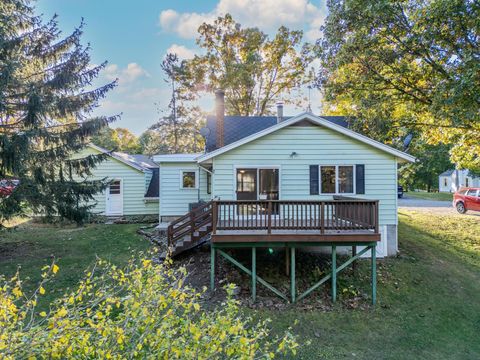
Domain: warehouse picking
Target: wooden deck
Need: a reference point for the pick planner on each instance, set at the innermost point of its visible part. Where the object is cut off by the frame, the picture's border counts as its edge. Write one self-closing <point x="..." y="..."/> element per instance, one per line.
<point x="295" y="221"/>
<point x="287" y="224"/>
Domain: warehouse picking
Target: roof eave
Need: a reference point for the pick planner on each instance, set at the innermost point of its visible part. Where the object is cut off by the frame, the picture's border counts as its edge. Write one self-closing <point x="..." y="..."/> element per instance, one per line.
<point x="404" y="157"/>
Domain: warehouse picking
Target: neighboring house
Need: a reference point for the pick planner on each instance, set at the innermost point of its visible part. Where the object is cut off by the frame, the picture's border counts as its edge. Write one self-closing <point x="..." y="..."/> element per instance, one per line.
<point x="453" y="180"/>
<point x="305" y="157"/>
<point x="133" y="190"/>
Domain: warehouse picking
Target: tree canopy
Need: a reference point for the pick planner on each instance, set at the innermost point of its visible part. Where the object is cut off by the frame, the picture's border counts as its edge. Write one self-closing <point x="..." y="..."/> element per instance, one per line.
<point x="46" y="98"/>
<point x="253" y="69"/>
<point x="177" y="129"/>
<point x="119" y="139"/>
<point x="407" y="66"/>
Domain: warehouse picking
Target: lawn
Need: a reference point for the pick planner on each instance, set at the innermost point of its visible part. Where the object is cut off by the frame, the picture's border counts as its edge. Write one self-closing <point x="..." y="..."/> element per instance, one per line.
<point x="428" y="297"/>
<point x="31" y="246"/>
<point x="428" y="300"/>
<point x="437" y="196"/>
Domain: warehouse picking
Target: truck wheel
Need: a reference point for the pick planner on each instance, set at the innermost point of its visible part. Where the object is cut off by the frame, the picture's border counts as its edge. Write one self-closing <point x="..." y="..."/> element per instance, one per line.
<point x="461" y="208"/>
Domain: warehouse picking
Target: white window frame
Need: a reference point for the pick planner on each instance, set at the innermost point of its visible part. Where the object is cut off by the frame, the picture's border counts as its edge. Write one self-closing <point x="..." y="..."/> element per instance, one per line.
<point x="336" y="179"/>
<point x="182" y="171"/>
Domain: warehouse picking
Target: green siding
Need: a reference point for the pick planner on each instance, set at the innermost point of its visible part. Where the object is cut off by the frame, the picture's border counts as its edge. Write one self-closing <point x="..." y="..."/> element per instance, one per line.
<point x="313" y="145"/>
<point x="134" y="186"/>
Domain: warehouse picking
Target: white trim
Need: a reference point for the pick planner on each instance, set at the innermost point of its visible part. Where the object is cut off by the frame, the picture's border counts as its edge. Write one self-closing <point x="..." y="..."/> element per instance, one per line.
<point x="107" y="193"/>
<point x="354" y="166"/>
<point x="194" y="170"/>
<point x="317" y="120"/>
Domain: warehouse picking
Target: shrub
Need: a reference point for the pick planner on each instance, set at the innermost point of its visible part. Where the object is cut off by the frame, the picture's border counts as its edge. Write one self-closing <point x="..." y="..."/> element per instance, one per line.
<point x="141" y="311"/>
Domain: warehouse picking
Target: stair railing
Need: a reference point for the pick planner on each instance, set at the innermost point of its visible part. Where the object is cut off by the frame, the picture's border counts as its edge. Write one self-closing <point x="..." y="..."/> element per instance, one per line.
<point x="190" y="223"/>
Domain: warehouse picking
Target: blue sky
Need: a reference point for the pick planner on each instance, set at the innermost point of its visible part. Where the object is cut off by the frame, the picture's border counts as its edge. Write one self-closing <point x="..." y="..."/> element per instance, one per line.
<point x="134" y="36"/>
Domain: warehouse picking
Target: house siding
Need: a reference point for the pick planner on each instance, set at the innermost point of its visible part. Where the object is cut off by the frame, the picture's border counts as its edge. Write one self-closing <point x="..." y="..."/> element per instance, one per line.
<point x="134" y="186"/>
<point x="174" y="200"/>
<point x="314" y="145"/>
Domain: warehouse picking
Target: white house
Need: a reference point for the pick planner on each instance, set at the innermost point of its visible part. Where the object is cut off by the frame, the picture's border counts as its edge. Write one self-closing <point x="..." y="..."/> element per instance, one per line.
<point x="133" y="190"/>
<point x="452" y="180"/>
<point x="305" y="157"/>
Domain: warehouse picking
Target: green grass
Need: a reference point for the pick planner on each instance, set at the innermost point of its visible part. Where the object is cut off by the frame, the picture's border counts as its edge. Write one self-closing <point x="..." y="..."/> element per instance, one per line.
<point x="31" y="246"/>
<point x="428" y="297"/>
<point x="428" y="300"/>
<point x="430" y="196"/>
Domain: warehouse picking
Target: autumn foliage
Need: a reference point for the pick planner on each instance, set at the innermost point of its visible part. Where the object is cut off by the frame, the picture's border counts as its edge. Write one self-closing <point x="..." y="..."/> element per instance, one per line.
<point x="141" y="311"/>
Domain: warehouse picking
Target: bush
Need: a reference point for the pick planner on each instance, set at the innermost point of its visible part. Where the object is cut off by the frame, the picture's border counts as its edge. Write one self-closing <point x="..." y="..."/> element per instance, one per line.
<point x="141" y="311"/>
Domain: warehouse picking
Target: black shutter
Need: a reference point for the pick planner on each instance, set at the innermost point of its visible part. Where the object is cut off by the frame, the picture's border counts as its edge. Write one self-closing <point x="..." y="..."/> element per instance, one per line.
<point x="360" y="178"/>
<point x="313" y="179"/>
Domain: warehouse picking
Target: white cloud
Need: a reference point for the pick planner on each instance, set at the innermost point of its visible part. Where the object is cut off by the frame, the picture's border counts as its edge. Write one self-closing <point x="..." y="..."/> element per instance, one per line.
<point x="265" y="14"/>
<point x="127" y="75"/>
<point x="181" y="51"/>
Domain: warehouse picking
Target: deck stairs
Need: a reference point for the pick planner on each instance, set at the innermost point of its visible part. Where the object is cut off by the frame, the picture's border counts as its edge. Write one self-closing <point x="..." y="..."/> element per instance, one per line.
<point x="190" y="230"/>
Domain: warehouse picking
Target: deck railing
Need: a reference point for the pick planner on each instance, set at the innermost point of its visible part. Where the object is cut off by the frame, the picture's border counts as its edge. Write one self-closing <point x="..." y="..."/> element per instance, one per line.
<point x="190" y="223"/>
<point x="277" y="215"/>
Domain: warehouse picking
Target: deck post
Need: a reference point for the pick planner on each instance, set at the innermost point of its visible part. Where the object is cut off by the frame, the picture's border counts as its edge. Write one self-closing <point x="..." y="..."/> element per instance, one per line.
<point x="292" y="273"/>
<point x="287" y="261"/>
<point x="212" y="268"/>
<point x="254" y="273"/>
<point x="354" y="253"/>
<point x="374" y="273"/>
<point x="334" y="273"/>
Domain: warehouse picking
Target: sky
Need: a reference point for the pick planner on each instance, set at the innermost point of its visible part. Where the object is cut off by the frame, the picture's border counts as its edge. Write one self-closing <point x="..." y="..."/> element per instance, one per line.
<point x="134" y="36"/>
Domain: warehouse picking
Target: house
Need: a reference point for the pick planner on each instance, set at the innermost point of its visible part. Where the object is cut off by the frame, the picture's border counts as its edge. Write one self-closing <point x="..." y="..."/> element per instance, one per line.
<point x="301" y="162"/>
<point x="453" y="180"/>
<point x="133" y="190"/>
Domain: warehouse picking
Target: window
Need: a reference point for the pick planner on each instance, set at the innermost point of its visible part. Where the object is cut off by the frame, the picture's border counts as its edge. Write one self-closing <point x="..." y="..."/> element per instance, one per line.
<point x="209" y="183"/>
<point x="345" y="179"/>
<point x="327" y="179"/>
<point x="247" y="180"/>
<point x="445" y="182"/>
<point x="472" y="192"/>
<point x="466" y="182"/>
<point x="114" y="188"/>
<point x="335" y="179"/>
<point x="189" y="179"/>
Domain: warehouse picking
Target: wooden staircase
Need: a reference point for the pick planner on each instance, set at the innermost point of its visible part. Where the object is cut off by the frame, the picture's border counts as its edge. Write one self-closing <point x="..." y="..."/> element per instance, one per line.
<point x="190" y="230"/>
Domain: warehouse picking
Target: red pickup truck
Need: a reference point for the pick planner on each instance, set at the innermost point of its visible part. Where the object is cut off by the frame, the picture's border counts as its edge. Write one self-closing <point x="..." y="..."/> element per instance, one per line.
<point x="467" y="199"/>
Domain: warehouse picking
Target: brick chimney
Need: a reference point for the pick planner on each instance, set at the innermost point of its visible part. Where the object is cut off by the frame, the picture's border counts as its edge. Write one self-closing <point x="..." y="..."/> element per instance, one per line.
<point x="220" y="117"/>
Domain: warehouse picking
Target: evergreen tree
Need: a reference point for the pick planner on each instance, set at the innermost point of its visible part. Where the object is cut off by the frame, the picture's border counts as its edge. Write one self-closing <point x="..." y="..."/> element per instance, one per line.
<point x="46" y="99"/>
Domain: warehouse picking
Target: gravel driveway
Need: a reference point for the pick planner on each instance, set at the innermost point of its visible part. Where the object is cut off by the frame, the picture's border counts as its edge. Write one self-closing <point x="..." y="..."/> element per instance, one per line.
<point x="430" y="206"/>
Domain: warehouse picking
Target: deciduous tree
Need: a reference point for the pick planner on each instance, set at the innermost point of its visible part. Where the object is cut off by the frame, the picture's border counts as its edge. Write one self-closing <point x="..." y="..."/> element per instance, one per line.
<point x="253" y="69"/>
<point x="412" y="63"/>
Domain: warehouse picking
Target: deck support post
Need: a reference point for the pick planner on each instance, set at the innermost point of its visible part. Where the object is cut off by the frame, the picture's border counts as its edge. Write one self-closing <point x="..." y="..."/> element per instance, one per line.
<point x="334" y="273"/>
<point x="254" y="273"/>
<point x="354" y="264"/>
<point x="212" y="268"/>
<point x="292" y="273"/>
<point x="287" y="261"/>
<point x="374" y="273"/>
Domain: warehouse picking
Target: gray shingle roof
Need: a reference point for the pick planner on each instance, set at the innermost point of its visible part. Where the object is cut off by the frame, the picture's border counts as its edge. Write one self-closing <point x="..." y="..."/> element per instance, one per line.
<point x="238" y="127"/>
<point x="154" y="186"/>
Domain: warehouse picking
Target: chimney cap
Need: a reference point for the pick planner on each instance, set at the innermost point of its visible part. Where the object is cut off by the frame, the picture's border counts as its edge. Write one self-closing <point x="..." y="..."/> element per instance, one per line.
<point x="279" y="103"/>
<point x="219" y="92"/>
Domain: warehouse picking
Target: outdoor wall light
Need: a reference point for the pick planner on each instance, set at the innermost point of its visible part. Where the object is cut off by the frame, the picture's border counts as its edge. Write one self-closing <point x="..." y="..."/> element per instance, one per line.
<point x="293" y="154"/>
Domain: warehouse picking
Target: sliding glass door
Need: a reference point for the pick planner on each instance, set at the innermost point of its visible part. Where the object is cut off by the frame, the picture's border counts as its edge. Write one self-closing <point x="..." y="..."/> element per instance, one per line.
<point x="257" y="184"/>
